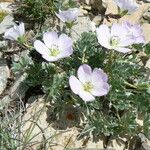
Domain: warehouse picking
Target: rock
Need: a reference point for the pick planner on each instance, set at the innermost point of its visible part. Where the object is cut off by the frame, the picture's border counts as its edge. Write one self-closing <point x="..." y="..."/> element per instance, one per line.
<point x="35" y="119"/>
<point x="4" y="75"/>
<point x="87" y="2"/>
<point x="15" y="58"/>
<point x="146" y="1"/>
<point x="19" y="55"/>
<point x="5" y="101"/>
<point x="148" y="64"/>
<point x="83" y="25"/>
<point x="85" y="12"/>
<point x="5" y="10"/>
<point x="3" y="45"/>
<point x="139" y="142"/>
<point x="98" y="7"/>
<point x="146" y="31"/>
<point x="17" y="91"/>
<point x="1" y="54"/>
<point x="6" y="23"/>
<point x="86" y="7"/>
<point x="6" y="6"/>
<point x="146" y="15"/>
<point x="145" y="142"/>
<point x="98" y="20"/>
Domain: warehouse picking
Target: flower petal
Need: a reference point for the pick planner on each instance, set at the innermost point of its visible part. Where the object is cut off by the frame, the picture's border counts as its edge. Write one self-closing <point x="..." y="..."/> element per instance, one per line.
<point x="100" y="89"/>
<point x="127" y="41"/>
<point x="74" y="13"/>
<point x="140" y="39"/>
<point x="84" y="73"/>
<point x="21" y="29"/>
<point x="11" y="34"/>
<point x="75" y="84"/>
<point x="129" y="5"/>
<point x="50" y="39"/>
<point x="118" y="30"/>
<point x="50" y="58"/>
<point x="41" y="47"/>
<point x="61" y="16"/>
<point x="99" y="75"/>
<point x="86" y="96"/>
<point x="64" y="42"/>
<point x="135" y="32"/>
<point x="66" y="53"/>
<point x="68" y="15"/>
<point x="103" y="35"/>
<point x="123" y="50"/>
<point x="132" y="6"/>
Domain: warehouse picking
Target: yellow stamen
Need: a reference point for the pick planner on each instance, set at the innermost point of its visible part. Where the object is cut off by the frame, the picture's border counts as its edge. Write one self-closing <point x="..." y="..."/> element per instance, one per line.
<point x="88" y="86"/>
<point x="54" y="52"/>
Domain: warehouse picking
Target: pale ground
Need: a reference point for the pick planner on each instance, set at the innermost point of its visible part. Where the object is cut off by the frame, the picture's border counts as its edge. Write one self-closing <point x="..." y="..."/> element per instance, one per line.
<point x="62" y="138"/>
<point x="6" y="0"/>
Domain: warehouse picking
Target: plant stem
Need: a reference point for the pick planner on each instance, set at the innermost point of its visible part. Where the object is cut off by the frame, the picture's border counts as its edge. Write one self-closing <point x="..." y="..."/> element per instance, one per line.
<point x="83" y="57"/>
<point x="130" y="85"/>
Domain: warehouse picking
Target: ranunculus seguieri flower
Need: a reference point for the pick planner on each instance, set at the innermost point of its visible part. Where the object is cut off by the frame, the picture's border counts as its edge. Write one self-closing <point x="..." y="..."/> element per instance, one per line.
<point x="134" y="31"/>
<point x="54" y="47"/>
<point x="114" y="38"/>
<point x="89" y="84"/>
<point x="68" y="16"/>
<point x="127" y="5"/>
<point x="15" y="33"/>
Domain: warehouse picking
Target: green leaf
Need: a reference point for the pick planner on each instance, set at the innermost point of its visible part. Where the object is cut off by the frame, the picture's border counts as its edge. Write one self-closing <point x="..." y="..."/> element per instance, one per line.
<point x="147" y="48"/>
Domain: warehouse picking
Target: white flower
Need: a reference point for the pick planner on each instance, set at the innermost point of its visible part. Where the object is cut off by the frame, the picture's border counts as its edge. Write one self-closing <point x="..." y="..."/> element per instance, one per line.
<point x="89" y="83"/>
<point x="69" y="15"/>
<point x="15" y="32"/>
<point x="54" y="47"/>
<point x="134" y="31"/>
<point x="127" y="5"/>
<point x="114" y="38"/>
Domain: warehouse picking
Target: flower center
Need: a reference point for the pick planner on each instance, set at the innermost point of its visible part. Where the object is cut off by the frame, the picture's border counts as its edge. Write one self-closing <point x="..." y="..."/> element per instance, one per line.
<point x="114" y="41"/>
<point x="88" y="86"/>
<point x="54" y="51"/>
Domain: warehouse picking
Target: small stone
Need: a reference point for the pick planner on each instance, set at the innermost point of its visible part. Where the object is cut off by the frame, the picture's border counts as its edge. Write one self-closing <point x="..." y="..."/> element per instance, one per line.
<point x="145" y="142"/>
<point x="17" y="91"/>
<point x="86" y="7"/>
<point x="142" y="137"/>
<point x="146" y="15"/>
<point x="6" y="23"/>
<point x="15" y="58"/>
<point x="98" y="7"/>
<point x="1" y="54"/>
<point x="146" y="1"/>
<point x="6" y="7"/>
<point x="83" y="25"/>
<point x="4" y="75"/>
<point x="98" y="20"/>
<point x="85" y="12"/>
<point x="87" y="2"/>
<point x="3" y="44"/>
<point x="5" y="101"/>
<point x="148" y="64"/>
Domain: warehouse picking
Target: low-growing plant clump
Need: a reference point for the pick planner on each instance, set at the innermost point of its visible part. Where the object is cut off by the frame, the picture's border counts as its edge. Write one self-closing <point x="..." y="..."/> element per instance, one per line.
<point x="101" y="74"/>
